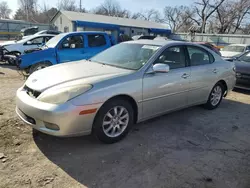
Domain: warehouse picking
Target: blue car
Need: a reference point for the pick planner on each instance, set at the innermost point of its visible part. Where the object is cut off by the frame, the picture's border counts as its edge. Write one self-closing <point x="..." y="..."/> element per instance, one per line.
<point x="65" y="47"/>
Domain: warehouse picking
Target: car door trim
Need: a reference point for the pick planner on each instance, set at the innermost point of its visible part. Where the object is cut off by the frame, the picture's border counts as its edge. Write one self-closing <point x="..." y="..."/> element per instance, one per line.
<point x="162" y="96"/>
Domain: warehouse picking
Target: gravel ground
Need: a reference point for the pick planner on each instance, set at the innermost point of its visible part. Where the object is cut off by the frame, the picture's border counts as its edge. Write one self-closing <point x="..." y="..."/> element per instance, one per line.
<point x="192" y="148"/>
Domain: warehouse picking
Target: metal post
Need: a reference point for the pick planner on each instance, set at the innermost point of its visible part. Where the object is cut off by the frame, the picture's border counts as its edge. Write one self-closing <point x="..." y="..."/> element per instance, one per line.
<point x="80" y="5"/>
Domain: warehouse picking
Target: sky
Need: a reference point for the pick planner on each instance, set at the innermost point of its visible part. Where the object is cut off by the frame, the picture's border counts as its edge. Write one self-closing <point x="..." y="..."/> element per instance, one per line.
<point x="132" y="5"/>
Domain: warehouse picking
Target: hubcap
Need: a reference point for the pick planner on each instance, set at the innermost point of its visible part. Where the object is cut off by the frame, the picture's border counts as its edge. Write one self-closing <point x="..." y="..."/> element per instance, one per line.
<point x="216" y="95"/>
<point x="115" y="121"/>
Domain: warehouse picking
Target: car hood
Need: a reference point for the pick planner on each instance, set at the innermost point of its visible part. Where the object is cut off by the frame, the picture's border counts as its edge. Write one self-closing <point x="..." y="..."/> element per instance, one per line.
<point x="229" y="54"/>
<point x="7" y="43"/>
<point x="242" y="67"/>
<point x="79" y="72"/>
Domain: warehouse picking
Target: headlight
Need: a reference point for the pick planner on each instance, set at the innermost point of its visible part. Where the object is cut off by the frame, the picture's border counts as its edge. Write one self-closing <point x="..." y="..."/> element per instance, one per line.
<point x="61" y="95"/>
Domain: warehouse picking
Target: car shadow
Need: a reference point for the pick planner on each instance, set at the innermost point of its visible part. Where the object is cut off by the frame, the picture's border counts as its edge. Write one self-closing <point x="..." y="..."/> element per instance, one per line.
<point x="157" y="153"/>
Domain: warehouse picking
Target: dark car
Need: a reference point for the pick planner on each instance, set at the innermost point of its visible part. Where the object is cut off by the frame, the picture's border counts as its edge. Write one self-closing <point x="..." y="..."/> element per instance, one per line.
<point x="242" y="65"/>
<point x="210" y="46"/>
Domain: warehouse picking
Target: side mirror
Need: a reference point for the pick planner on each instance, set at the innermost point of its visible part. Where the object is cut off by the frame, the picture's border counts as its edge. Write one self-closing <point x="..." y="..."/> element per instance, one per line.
<point x="29" y="42"/>
<point x="159" y="68"/>
<point x="65" y="45"/>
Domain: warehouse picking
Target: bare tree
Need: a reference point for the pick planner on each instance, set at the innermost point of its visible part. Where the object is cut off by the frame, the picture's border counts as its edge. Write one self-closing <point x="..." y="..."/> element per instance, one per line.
<point x="112" y="8"/>
<point x="149" y="15"/>
<point x="178" y="18"/>
<point x="4" y="10"/>
<point x="27" y="10"/>
<point x="204" y="10"/>
<point x="67" y="5"/>
<point x="231" y="15"/>
<point x="243" y="7"/>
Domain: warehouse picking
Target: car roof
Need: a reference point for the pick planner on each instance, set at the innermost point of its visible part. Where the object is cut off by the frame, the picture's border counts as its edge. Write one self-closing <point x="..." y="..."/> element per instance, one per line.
<point x="161" y="42"/>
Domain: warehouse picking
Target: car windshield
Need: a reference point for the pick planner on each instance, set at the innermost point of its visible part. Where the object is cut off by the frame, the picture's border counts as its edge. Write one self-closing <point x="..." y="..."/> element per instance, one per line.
<point x="126" y="55"/>
<point x="234" y="48"/>
<point x="54" y="41"/>
<point x="245" y="57"/>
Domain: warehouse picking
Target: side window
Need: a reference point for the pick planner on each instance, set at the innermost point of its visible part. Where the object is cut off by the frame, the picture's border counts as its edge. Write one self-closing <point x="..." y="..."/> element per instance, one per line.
<point x="174" y="57"/>
<point x="198" y="56"/>
<point x="248" y="48"/>
<point x="37" y="41"/>
<point x="72" y="42"/>
<point x="96" y="40"/>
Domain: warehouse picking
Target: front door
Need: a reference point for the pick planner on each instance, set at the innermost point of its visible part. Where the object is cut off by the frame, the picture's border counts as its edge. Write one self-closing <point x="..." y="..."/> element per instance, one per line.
<point x="71" y="49"/>
<point x="163" y="92"/>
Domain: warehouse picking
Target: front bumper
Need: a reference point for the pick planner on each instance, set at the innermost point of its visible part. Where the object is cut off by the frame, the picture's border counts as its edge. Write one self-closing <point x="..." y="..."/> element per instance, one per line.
<point x="66" y="116"/>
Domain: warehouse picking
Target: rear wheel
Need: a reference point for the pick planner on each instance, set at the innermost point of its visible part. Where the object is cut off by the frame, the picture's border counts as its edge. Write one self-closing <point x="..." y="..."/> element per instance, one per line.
<point x="215" y="97"/>
<point x="113" y="121"/>
<point x="39" y="66"/>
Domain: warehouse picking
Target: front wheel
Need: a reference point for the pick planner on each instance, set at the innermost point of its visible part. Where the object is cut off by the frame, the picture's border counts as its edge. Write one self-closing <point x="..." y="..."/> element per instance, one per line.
<point x="38" y="66"/>
<point x="215" y="97"/>
<point x="113" y="121"/>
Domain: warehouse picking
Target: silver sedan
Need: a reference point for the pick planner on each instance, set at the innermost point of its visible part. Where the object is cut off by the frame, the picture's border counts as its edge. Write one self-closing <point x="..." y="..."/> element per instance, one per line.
<point x="126" y="84"/>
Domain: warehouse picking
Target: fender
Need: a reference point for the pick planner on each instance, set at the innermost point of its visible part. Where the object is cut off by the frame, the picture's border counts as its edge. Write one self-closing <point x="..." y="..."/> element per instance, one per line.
<point x="30" y="59"/>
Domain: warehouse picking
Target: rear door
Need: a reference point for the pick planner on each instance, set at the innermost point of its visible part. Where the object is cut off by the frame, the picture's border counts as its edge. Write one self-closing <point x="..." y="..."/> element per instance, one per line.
<point x="71" y="48"/>
<point x="96" y="43"/>
<point x="203" y="74"/>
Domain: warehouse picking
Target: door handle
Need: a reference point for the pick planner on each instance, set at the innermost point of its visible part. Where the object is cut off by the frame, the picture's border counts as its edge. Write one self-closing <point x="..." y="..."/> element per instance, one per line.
<point x="185" y="76"/>
<point x="215" y="71"/>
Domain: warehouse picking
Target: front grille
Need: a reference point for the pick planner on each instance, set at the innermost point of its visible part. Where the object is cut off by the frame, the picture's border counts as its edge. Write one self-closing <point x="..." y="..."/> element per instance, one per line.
<point x="31" y="92"/>
<point x="245" y="76"/>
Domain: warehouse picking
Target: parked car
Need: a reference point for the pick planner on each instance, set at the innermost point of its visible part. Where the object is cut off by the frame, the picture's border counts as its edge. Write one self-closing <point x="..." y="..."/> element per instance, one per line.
<point x="210" y="46"/>
<point x="234" y="50"/>
<point x="125" y="84"/>
<point x="66" y="47"/>
<point x="52" y="32"/>
<point x="18" y="47"/>
<point x="242" y="65"/>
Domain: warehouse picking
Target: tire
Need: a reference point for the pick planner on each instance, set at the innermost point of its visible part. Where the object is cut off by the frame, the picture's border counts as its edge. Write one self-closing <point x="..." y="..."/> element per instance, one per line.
<point x="113" y="130"/>
<point x="39" y="66"/>
<point x="215" y="97"/>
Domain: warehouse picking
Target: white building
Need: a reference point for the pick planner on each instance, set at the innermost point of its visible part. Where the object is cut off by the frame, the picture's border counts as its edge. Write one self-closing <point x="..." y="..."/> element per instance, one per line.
<point x="68" y="21"/>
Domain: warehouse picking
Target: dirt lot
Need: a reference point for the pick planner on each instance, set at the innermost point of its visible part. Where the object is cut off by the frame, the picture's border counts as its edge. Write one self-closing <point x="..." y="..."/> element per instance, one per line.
<point x="192" y="148"/>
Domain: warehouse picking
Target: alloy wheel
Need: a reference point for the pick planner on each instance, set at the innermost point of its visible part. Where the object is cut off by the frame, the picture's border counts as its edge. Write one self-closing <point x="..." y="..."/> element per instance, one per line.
<point x="115" y="121"/>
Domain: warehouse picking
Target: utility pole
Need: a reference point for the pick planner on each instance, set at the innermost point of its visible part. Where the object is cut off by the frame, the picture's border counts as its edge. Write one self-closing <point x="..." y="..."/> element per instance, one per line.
<point x="80" y="5"/>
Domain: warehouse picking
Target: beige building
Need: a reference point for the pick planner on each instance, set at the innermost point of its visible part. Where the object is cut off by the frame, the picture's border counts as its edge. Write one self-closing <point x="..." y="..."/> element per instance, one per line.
<point x="68" y="21"/>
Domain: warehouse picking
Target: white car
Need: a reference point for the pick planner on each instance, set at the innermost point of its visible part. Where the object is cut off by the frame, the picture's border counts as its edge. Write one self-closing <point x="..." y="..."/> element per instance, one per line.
<point x="34" y="41"/>
<point x="234" y="50"/>
<point x="51" y="32"/>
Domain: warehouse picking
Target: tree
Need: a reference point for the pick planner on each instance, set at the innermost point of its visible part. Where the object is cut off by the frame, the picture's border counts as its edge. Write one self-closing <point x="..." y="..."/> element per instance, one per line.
<point x="149" y="15"/>
<point x="178" y="18"/>
<point x="231" y="15"/>
<point x="243" y="9"/>
<point x="27" y="10"/>
<point x="204" y="10"/>
<point x="67" y="5"/>
<point x="4" y="10"/>
<point x="112" y="8"/>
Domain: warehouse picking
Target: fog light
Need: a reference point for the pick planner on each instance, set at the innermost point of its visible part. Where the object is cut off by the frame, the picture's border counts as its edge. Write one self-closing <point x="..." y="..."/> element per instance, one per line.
<point x="51" y="126"/>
